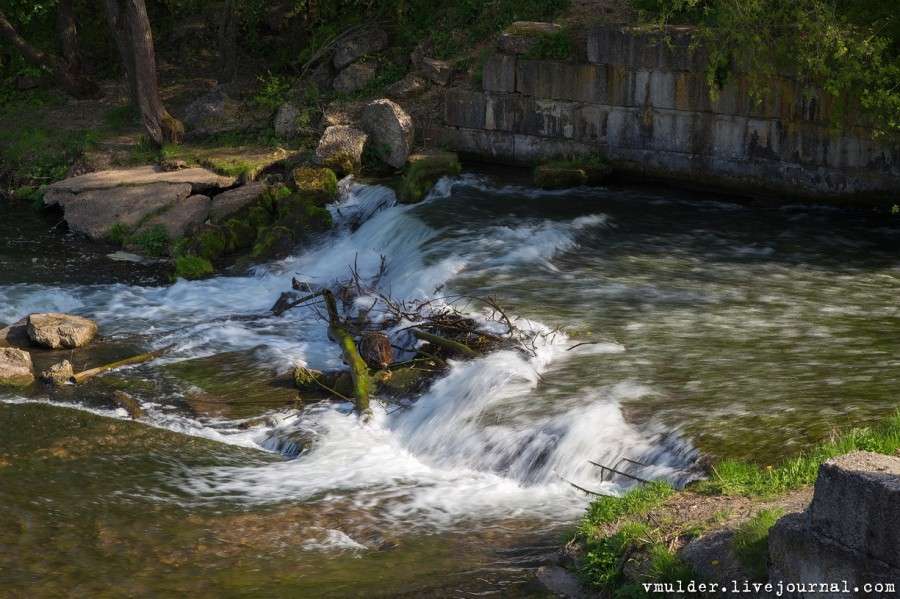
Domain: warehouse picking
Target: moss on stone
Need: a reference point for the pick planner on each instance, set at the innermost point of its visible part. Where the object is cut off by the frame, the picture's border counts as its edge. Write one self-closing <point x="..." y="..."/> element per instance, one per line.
<point x="242" y="234"/>
<point x="211" y="242"/>
<point x="559" y="174"/>
<point x="272" y="241"/>
<point x="317" y="182"/>
<point x="193" y="267"/>
<point x="423" y="172"/>
<point x="343" y="163"/>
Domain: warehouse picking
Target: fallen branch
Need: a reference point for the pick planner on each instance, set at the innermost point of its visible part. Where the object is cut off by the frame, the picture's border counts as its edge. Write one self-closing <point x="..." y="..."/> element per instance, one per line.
<point x="359" y="371"/>
<point x="84" y="375"/>
<point x="448" y="344"/>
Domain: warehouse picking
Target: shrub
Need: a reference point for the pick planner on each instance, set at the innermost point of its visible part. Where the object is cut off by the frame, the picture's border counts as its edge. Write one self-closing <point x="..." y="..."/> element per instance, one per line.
<point x="192" y="267"/>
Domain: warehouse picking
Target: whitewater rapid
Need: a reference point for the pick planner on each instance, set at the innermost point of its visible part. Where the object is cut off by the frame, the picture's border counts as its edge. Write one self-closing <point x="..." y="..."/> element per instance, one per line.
<point x="477" y="444"/>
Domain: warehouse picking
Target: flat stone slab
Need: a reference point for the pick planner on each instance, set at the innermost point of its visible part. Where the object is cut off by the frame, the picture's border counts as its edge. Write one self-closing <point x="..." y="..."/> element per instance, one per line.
<point x="95" y="212"/>
<point x="232" y="201"/>
<point x="54" y="330"/>
<point x="200" y="179"/>
<point x="181" y="217"/>
<point x="15" y="367"/>
<point x="857" y="503"/>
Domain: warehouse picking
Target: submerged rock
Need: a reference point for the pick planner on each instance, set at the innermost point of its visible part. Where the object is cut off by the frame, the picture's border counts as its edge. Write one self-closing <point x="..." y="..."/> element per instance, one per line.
<point x="15" y="367"/>
<point x="128" y="403"/>
<point x="390" y="129"/>
<point x="54" y="330"/>
<point x="58" y="374"/>
<point x="341" y="148"/>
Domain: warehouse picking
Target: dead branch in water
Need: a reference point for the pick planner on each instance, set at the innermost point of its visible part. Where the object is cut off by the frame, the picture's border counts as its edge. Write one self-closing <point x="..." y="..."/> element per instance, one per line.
<point x="84" y="375"/>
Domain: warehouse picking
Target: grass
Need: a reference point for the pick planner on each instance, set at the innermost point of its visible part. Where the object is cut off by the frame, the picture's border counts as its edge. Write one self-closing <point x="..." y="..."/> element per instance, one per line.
<point x="637" y="501"/>
<point x="751" y="541"/>
<point x="153" y="241"/>
<point x="734" y="477"/>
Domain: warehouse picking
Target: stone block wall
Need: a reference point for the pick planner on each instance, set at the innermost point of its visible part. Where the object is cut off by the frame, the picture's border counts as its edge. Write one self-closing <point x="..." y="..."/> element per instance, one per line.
<point x="644" y="102"/>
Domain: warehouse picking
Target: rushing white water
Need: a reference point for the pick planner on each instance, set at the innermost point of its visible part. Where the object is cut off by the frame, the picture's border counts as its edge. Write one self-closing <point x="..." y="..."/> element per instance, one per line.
<point x="476" y="444"/>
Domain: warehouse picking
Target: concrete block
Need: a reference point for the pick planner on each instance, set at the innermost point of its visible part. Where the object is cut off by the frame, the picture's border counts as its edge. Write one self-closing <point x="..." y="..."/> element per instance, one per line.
<point x="530" y="148"/>
<point x="857" y="503"/>
<point x="553" y="80"/>
<point x="551" y="118"/>
<point x="464" y="108"/>
<point x="499" y="73"/>
<point x="506" y="112"/>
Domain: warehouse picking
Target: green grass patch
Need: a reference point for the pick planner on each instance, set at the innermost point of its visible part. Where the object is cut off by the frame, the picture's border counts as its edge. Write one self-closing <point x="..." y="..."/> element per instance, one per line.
<point x="751" y="541"/>
<point x="637" y="501"/>
<point x="552" y="46"/>
<point x="153" y="241"/>
<point x="734" y="477"/>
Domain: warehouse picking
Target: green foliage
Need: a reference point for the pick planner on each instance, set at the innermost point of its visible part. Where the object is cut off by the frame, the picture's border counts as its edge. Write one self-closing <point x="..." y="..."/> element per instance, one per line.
<point x="751" y="541"/>
<point x="211" y="243"/>
<point x="118" y="234"/>
<point x="193" y="267"/>
<point x="552" y="46"/>
<point x="317" y="182"/>
<point x="733" y="477"/>
<point x="849" y="48"/>
<point x="272" y="91"/>
<point x="38" y="154"/>
<point x="152" y="241"/>
<point x="121" y="117"/>
<point x="601" y="566"/>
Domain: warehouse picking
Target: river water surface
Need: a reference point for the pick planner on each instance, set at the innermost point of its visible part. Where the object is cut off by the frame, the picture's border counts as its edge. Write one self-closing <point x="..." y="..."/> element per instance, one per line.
<point x="673" y="326"/>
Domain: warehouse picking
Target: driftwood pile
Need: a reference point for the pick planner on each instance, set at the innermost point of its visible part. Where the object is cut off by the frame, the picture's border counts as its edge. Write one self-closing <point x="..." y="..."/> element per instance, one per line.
<point x="394" y="349"/>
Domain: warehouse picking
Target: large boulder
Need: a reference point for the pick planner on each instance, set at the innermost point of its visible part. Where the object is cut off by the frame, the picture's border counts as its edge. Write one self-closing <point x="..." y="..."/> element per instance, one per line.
<point x="201" y="180"/>
<point x="15" y="367"/>
<point x="850" y="532"/>
<point x="55" y="331"/>
<point x="15" y="335"/>
<point x="234" y="200"/>
<point x="341" y="148"/>
<point x="95" y="213"/>
<point x="359" y="44"/>
<point x="182" y="217"/>
<point x="390" y="131"/>
<point x="214" y="112"/>
<point x="287" y="121"/>
<point x="354" y="77"/>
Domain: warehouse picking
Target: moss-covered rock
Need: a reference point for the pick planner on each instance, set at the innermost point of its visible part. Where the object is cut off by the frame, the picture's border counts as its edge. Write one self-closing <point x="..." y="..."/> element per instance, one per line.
<point x="210" y="242"/>
<point x="302" y="215"/>
<point x="193" y="267"/>
<point x="242" y="234"/>
<point x="558" y="174"/>
<point x="400" y="382"/>
<point x="273" y="242"/>
<point x="424" y="171"/>
<point x="318" y="183"/>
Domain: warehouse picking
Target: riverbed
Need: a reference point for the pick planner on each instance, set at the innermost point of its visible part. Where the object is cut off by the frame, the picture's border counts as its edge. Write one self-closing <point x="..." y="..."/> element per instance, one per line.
<point x="670" y="326"/>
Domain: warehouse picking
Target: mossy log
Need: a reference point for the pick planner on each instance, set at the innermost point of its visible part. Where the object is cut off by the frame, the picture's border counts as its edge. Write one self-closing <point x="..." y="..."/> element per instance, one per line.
<point x="453" y="347"/>
<point x="359" y="371"/>
<point x="84" y="375"/>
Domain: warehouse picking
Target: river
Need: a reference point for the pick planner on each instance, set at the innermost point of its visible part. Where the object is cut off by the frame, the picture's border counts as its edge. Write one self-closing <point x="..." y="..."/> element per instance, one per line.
<point x="674" y="326"/>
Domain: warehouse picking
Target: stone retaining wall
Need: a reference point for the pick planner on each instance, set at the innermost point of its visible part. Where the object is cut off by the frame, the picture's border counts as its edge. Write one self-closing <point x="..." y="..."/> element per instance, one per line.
<point x="645" y="103"/>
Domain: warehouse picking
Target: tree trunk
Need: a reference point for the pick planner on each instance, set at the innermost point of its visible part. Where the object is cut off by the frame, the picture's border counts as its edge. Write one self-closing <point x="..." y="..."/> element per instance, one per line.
<point x="131" y="28"/>
<point x="228" y="42"/>
<point x="73" y="82"/>
<point x="67" y="27"/>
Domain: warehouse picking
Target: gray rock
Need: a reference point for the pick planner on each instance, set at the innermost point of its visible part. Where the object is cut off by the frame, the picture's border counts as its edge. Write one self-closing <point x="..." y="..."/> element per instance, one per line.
<point x="354" y="78"/>
<point x="211" y="113"/>
<point x="232" y="201"/>
<point x="15" y="335"/>
<point x="341" y="145"/>
<point x="499" y="74"/>
<point x="200" y="180"/>
<point x="54" y="330"/>
<point x="15" y="367"/>
<point x="560" y="582"/>
<point x="437" y="71"/>
<point x="57" y="197"/>
<point x="857" y="502"/>
<point x="409" y="86"/>
<point x="58" y="374"/>
<point x="181" y="217"/>
<point x="359" y="44"/>
<point x="286" y="125"/>
<point x="121" y="256"/>
<point x="95" y="212"/>
<point x="712" y="558"/>
<point x="390" y="129"/>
